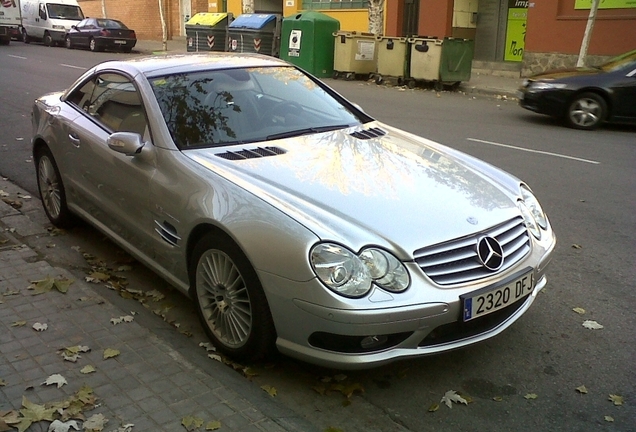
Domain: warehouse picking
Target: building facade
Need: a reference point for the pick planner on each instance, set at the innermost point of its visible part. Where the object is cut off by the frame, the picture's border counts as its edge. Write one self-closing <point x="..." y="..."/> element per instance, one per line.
<point x="530" y="35"/>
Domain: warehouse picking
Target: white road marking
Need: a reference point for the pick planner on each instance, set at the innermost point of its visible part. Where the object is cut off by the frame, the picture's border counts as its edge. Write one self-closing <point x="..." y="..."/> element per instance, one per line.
<point x="71" y="66"/>
<point x="15" y="56"/>
<point x="534" y="151"/>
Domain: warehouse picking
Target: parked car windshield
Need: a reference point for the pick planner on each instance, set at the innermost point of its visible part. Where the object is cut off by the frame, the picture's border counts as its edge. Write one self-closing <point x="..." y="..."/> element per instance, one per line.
<point x="620" y="62"/>
<point x="60" y="11"/>
<point x="232" y="106"/>
<point x="109" y="23"/>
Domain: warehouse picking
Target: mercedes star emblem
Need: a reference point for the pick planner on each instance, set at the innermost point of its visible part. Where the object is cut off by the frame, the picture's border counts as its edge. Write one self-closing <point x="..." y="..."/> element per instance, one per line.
<point x="490" y="253"/>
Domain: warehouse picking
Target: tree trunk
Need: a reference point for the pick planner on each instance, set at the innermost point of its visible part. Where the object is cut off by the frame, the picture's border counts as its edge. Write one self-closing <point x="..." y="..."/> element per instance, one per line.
<point x="376" y="17"/>
<point x="588" y="34"/>
<point x="248" y="6"/>
<point x="103" y="8"/>
<point x="164" y="30"/>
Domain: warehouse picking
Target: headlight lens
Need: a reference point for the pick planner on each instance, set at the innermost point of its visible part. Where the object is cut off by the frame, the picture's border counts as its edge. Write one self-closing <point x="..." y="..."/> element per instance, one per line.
<point x="535" y="208"/>
<point x="351" y="275"/>
<point x="531" y="224"/>
<point x="545" y="85"/>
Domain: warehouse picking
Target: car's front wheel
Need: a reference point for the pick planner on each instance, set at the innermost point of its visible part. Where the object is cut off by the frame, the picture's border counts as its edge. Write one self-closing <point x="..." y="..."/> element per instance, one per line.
<point x="68" y="42"/>
<point x="52" y="190"/>
<point x="47" y="40"/>
<point x="230" y="300"/>
<point x="586" y="111"/>
<point x="92" y="45"/>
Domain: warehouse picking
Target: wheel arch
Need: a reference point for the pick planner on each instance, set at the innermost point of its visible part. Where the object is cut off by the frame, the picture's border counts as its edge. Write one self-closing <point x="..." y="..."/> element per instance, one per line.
<point x="601" y="92"/>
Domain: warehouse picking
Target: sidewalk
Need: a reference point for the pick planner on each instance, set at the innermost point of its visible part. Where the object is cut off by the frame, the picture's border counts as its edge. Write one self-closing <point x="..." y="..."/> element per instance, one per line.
<point x="146" y="382"/>
<point x="488" y="85"/>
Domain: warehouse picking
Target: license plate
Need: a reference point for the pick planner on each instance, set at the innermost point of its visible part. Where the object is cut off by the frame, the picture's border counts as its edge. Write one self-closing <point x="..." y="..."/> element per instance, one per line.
<point x="489" y="299"/>
<point x="120" y="42"/>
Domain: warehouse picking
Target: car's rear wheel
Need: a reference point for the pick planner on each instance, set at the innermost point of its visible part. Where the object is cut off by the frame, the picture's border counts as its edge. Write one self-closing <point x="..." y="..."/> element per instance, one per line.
<point x="586" y="111"/>
<point x="68" y="42"/>
<point x="230" y="300"/>
<point x="47" y="40"/>
<point x="52" y="190"/>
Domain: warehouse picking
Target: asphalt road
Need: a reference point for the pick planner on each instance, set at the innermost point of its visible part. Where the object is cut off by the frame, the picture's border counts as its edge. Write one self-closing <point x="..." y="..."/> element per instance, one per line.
<point x="586" y="183"/>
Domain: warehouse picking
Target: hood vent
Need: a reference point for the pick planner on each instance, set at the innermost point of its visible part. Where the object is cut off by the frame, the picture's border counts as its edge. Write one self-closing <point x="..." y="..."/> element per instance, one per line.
<point x="258" y="152"/>
<point x="369" y="133"/>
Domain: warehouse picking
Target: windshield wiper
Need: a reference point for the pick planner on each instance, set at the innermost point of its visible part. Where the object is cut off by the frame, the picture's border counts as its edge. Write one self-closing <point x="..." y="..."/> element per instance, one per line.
<point x="305" y="131"/>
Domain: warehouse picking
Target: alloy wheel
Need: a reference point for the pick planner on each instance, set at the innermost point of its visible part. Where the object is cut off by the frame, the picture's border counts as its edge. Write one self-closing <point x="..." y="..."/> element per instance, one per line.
<point x="49" y="187"/>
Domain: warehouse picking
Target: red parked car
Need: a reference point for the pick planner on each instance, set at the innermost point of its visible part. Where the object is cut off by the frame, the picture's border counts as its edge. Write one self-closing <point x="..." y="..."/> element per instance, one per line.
<point x="98" y="34"/>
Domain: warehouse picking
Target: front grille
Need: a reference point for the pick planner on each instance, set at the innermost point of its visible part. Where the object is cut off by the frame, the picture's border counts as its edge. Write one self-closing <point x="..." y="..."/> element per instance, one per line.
<point x="251" y="153"/>
<point x="456" y="261"/>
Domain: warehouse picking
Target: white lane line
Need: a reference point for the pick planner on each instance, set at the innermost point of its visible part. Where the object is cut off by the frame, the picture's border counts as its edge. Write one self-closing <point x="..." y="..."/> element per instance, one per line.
<point x="535" y="151"/>
<point x="15" y="56"/>
<point x="71" y="66"/>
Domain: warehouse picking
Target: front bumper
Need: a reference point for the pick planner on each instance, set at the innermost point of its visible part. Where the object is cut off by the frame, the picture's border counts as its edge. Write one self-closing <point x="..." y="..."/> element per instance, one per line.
<point x="327" y="336"/>
<point x="549" y="102"/>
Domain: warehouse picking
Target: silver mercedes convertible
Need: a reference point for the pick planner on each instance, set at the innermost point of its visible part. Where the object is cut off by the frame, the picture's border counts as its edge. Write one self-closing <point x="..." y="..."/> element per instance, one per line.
<point x="294" y="220"/>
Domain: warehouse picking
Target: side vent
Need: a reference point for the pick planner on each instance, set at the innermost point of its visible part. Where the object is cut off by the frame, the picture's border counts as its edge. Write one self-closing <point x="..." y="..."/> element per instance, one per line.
<point x="369" y="133"/>
<point x="258" y="152"/>
<point x="167" y="232"/>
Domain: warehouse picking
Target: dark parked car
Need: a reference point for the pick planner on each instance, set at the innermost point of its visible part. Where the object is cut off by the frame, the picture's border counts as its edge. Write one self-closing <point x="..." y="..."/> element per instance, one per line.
<point x="98" y="34"/>
<point x="585" y="97"/>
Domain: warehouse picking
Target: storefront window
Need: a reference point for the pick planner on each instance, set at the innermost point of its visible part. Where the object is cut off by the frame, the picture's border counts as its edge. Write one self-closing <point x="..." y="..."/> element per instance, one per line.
<point x="335" y="4"/>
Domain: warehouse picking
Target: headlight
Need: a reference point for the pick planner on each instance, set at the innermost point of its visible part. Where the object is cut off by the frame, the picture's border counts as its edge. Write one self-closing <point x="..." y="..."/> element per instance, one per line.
<point x="58" y="27"/>
<point x="351" y="275"/>
<point x="534" y="207"/>
<point x="530" y="223"/>
<point x="545" y="85"/>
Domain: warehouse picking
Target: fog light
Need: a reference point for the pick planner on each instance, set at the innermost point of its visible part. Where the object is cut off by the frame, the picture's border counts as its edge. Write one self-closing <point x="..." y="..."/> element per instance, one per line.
<point x="373" y="341"/>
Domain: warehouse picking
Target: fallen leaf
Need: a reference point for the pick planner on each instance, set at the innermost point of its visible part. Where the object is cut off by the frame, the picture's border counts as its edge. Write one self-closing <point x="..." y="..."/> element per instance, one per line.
<point x="124" y="268"/>
<point x="531" y="396"/>
<point x="616" y="399"/>
<point x="576" y="246"/>
<point x="125" y="428"/>
<point x="452" y="396"/>
<point x="579" y="310"/>
<point x="433" y="407"/>
<point x="2" y="382"/>
<point x="40" y="327"/>
<point x="88" y="369"/>
<point x="497" y="398"/>
<point x="95" y="422"/>
<point x="270" y="390"/>
<point x="213" y="425"/>
<point x="191" y="423"/>
<point x="58" y="426"/>
<point x="18" y="323"/>
<point x="581" y="389"/>
<point x="609" y="418"/>
<point x="109" y="353"/>
<point x="592" y="325"/>
<point x="215" y="357"/>
<point x="57" y="379"/>
<point x="32" y="413"/>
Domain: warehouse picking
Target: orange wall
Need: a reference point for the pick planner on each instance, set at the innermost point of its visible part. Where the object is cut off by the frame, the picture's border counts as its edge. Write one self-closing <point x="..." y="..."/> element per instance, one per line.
<point x="393" y="16"/>
<point x="554" y="26"/>
<point x="436" y="18"/>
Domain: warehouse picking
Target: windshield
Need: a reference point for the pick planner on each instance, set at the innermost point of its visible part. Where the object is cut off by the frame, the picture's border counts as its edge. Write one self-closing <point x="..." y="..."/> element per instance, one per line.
<point x="60" y="11"/>
<point x="620" y="62"/>
<point x="231" y="106"/>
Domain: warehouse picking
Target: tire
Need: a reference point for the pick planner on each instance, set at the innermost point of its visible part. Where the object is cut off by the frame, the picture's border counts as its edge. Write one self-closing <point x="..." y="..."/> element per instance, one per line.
<point x="379" y="79"/>
<point x="230" y="300"/>
<point x="92" y="45"/>
<point x="47" y="40"/>
<point x="438" y="86"/>
<point x="411" y="83"/>
<point x="350" y="76"/>
<point x="52" y="190"/>
<point x="586" y="111"/>
<point x="68" y="43"/>
<point x="25" y="37"/>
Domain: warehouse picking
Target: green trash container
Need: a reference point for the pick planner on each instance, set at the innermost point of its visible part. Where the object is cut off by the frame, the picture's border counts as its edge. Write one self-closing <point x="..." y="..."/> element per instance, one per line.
<point x="354" y="54"/>
<point x="457" y="60"/>
<point x="207" y="32"/>
<point x="255" y="33"/>
<point x="307" y="41"/>
<point x="393" y="56"/>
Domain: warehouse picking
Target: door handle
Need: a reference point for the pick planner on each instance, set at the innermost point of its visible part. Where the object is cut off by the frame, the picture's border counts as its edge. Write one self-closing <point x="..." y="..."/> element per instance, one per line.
<point x="74" y="139"/>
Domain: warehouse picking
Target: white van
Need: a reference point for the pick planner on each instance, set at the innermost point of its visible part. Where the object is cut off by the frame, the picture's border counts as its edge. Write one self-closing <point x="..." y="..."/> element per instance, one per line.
<point x="9" y="20"/>
<point x="49" y="20"/>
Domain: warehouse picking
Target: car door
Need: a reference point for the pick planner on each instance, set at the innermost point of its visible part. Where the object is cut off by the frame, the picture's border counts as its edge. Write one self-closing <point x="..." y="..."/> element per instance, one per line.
<point x="110" y="187"/>
<point x="84" y="32"/>
<point x="625" y="95"/>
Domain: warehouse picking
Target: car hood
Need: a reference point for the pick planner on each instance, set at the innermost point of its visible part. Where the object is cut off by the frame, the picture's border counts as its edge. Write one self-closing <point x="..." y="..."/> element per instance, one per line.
<point x="396" y="190"/>
<point x="565" y="73"/>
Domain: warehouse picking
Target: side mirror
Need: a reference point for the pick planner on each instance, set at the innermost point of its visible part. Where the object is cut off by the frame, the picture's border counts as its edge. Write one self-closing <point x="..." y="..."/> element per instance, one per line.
<point x="128" y="143"/>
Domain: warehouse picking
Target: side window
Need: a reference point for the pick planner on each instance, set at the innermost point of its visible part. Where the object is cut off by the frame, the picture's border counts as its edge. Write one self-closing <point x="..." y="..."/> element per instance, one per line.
<point x="113" y="101"/>
<point x="42" y="11"/>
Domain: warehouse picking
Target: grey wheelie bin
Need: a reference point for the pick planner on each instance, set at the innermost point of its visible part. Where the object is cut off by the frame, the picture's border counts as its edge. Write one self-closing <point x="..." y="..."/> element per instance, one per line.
<point x="354" y="54"/>
<point x="255" y="33"/>
<point x="307" y="41"/>
<point x="393" y="54"/>
<point x="207" y="32"/>
<point x="426" y="55"/>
